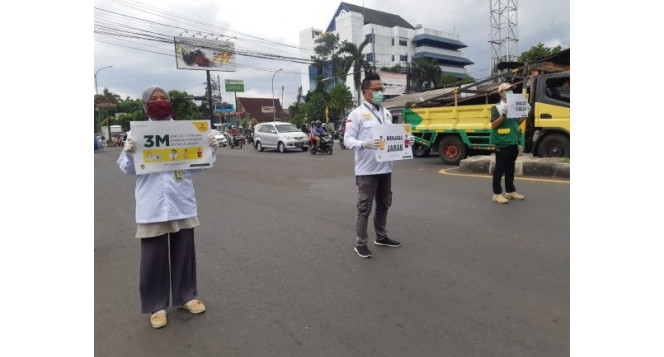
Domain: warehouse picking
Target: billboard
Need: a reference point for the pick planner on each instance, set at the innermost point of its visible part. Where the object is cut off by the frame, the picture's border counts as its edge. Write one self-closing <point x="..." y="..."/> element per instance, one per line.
<point x="211" y="55"/>
<point x="394" y="83"/>
<point x="234" y="85"/>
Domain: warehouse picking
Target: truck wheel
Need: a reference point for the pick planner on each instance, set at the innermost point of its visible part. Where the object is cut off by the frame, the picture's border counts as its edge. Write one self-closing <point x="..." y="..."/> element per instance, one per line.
<point x="451" y="150"/>
<point x="420" y="150"/>
<point x="554" y="145"/>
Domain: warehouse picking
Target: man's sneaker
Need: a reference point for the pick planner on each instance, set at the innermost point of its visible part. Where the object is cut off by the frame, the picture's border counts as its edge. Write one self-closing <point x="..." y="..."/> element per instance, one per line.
<point x="499" y="199"/>
<point x="514" y="196"/>
<point x="363" y="251"/>
<point x="387" y="242"/>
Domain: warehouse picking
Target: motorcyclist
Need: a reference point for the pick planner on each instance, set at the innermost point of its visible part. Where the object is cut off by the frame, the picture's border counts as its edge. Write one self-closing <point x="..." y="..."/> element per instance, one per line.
<point x="342" y="131"/>
<point x="234" y="131"/>
<point x="318" y="131"/>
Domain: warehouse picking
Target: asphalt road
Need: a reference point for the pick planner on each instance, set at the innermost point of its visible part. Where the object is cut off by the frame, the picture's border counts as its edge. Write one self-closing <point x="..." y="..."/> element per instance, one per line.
<point x="277" y="270"/>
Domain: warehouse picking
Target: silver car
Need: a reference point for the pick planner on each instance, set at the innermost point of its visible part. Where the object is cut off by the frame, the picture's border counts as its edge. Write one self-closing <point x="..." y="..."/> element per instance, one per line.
<point x="281" y="136"/>
<point x="221" y="138"/>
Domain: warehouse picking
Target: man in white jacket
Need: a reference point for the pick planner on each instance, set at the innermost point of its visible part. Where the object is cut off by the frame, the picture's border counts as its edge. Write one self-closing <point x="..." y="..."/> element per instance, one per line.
<point x="373" y="178"/>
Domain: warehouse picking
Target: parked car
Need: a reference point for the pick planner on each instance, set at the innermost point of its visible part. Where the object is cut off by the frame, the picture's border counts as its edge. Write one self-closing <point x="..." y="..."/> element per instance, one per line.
<point x="221" y="138"/>
<point x="281" y="136"/>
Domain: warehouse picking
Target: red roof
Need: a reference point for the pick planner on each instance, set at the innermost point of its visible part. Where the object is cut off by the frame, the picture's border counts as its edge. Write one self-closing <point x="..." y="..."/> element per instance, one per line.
<point x="257" y="107"/>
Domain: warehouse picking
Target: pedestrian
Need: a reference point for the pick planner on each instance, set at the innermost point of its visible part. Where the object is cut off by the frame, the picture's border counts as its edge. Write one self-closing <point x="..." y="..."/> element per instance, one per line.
<point x="166" y="215"/>
<point x="504" y="137"/>
<point x="373" y="178"/>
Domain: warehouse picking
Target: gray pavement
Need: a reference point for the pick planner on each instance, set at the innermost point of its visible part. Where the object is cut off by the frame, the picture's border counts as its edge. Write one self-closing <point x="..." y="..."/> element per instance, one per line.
<point x="277" y="270"/>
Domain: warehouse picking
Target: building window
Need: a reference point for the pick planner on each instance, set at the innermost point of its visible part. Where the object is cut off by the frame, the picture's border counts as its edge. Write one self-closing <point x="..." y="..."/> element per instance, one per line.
<point x="393" y="43"/>
<point x="403" y="58"/>
<point x="370" y="57"/>
<point x="392" y="56"/>
<point x="369" y="38"/>
<point x="403" y="41"/>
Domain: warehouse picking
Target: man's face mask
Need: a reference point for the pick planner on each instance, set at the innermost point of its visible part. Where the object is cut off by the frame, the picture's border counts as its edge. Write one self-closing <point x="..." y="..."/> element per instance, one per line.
<point x="377" y="97"/>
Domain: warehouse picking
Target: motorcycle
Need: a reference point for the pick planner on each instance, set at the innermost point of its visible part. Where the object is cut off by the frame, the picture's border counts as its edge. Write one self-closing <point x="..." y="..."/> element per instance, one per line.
<point x="326" y="143"/>
<point x="250" y="138"/>
<point x="236" y="141"/>
<point x="341" y="140"/>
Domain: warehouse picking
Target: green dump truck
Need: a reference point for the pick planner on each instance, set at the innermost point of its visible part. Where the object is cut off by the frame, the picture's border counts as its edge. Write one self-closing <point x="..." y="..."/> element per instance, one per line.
<point x="454" y="131"/>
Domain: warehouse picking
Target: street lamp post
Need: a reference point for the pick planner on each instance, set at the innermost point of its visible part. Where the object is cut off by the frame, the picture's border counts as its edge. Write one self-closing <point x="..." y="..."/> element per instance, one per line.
<point x="282" y="102"/>
<point x="96" y="89"/>
<point x="108" y="122"/>
<point x="274" y="109"/>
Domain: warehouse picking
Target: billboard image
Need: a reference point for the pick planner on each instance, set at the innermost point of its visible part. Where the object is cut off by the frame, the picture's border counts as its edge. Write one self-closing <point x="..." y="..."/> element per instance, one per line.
<point x="212" y="55"/>
<point x="394" y="83"/>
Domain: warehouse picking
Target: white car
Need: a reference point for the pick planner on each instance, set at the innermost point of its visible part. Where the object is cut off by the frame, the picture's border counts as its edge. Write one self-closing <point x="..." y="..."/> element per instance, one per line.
<point x="279" y="135"/>
<point x="221" y="138"/>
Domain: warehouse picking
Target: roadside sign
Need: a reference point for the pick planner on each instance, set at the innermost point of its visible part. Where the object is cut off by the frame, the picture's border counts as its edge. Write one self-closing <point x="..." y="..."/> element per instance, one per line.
<point x="105" y="105"/>
<point x="234" y="85"/>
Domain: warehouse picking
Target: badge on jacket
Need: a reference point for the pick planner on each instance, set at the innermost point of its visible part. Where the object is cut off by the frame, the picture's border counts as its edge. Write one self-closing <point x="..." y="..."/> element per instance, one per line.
<point x="179" y="175"/>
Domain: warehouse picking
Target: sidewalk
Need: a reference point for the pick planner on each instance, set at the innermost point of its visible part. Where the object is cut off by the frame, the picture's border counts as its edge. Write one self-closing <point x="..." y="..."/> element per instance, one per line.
<point x="526" y="165"/>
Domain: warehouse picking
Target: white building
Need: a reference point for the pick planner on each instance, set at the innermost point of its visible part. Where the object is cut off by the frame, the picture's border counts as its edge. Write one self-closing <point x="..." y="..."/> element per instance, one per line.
<point x="392" y="41"/>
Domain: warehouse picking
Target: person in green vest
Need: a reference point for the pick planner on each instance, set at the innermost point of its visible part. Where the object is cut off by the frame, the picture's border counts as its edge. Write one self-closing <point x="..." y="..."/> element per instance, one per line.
<point x="505" y="138"/>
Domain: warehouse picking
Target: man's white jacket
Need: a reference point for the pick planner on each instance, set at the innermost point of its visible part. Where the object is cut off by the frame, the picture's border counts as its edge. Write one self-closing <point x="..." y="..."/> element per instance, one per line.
<point x="360" y="127"/>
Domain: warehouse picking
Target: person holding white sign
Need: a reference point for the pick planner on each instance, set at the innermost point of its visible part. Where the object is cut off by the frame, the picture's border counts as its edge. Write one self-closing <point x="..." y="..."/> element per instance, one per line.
<point x="504" y="137"/>
<point x="373" y="178"/>
<point x="165" y="213"/>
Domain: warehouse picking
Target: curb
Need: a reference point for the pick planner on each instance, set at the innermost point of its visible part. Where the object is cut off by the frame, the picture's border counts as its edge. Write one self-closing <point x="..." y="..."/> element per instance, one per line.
<point x="525" y="165"/>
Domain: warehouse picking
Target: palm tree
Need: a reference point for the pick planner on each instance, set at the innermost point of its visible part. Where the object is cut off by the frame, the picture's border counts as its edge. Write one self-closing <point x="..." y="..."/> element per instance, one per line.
<point x="355" y="59"/>
<point x="426" y="73"/>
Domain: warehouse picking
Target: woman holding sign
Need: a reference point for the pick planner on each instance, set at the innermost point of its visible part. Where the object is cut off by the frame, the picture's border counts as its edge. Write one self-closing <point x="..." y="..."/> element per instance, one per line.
<point x="166" y="215"/>
<point x="505" y="137"/>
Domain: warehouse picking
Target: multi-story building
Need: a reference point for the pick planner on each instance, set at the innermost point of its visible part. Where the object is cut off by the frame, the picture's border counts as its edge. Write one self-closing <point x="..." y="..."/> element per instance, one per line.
<point x="391" y="41"/>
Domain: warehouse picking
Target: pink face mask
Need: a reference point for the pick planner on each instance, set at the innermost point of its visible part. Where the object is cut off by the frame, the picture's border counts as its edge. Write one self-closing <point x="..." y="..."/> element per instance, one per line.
<point x="160" y="109"/>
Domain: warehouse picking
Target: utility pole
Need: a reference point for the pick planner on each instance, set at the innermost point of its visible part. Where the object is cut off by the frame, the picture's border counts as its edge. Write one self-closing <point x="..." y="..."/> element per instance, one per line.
<point x="282" y="102"/>
<point x="274" y="109"/>
<point x="209" y="97"/>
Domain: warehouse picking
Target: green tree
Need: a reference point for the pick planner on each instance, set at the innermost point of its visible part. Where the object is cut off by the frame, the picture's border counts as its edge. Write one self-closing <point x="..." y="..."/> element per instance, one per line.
<point x="449" y="80"/>
<point x="425" y="74"/>
<point x="355" y="59"/>
<point x="538" y="51"/>
<point x="393" y="69"/>
<point x="101" y="114"/>
<point x="316" y="102"/>
<point x="327" y="57"/>
<point x="183" y="107"/>
<point x="341" y="100"/>
<point x="297" y="110"/>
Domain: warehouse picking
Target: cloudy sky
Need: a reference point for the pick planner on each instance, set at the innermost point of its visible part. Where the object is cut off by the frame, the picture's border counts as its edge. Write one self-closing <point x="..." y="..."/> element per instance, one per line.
<point x="273" y="27"/>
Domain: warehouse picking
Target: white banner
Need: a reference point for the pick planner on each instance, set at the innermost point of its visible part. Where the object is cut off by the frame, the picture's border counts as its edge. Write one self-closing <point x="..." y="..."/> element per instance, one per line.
<point x="517" y="105"/>
<point x="394" y="144"/>
<point x="212" y="55"/>
<point x="171" y="145"/>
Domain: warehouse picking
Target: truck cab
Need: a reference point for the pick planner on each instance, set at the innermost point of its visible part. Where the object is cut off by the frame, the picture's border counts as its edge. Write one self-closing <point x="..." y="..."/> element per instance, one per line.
<point x="548" y="127"/>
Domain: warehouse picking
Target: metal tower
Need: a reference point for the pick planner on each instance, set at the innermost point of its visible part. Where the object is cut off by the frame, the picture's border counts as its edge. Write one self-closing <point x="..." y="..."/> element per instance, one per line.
<point x="504" y="34"/>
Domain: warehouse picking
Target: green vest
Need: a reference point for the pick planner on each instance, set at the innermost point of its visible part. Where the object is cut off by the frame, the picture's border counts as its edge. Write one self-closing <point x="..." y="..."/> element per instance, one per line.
<point x="507" y="133"/>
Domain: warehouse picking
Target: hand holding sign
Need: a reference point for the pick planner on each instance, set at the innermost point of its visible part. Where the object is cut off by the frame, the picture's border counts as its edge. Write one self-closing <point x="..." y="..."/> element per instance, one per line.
<point x="395" y="143"/>
<point x="517" y="106"/>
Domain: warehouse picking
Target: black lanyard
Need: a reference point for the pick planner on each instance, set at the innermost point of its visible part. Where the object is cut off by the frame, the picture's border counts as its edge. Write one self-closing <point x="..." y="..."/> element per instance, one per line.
<point x="372" y="112"/>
